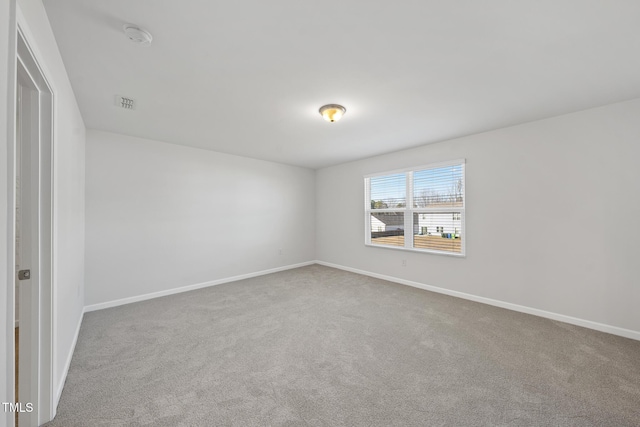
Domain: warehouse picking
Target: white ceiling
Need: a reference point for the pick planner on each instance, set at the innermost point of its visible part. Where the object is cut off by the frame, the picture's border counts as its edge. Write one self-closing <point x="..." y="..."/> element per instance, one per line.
<point x="248" y="77"/>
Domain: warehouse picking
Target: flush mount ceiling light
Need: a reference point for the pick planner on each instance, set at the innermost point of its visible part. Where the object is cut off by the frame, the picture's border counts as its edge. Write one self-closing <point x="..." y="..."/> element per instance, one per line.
<point x="137" y="35"/>
<point x="332" y="112"/>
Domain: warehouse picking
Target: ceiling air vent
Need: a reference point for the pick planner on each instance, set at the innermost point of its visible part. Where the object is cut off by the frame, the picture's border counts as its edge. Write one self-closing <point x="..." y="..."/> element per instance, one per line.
<point x="126" y="103"/>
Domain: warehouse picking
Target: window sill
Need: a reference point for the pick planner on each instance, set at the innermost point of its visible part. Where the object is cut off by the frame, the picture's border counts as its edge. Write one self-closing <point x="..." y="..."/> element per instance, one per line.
<point x="422" y="251"/>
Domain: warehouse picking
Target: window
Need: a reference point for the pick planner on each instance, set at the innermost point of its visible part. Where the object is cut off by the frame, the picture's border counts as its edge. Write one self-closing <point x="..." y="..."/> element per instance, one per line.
<point x="420" y="209"/>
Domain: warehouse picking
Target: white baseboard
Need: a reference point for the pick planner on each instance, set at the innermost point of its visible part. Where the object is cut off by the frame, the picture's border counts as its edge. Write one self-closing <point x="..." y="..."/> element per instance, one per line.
<point x="627" y="333"/>
<point x="67" y="364"/>
<point x="152" y="295"/>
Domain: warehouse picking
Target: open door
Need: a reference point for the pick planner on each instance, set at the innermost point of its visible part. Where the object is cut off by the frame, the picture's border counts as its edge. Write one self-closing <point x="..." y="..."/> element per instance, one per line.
<point x="33" y="246"/>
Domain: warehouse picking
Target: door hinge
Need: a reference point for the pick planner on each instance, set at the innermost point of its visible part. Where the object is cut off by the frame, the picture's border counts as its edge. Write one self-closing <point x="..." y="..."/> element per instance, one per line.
<point x="24" y="274"/>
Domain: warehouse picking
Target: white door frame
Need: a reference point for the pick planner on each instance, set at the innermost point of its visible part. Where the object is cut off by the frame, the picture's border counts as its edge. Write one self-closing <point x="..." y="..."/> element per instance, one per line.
<point x="36" y="303"/>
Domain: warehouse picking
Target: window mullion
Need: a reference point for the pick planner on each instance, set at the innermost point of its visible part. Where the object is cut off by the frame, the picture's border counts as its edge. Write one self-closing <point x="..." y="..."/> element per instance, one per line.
<point x="367" y="211"/>
<point x="408" y="213"/>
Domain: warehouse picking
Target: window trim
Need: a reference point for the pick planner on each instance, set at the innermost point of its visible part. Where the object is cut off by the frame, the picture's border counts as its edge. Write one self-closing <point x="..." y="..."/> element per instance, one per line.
<point x="409" y="210"/>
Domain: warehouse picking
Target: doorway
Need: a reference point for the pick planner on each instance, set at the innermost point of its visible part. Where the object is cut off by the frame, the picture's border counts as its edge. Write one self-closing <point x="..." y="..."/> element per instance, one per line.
<point x="34" y="241"/>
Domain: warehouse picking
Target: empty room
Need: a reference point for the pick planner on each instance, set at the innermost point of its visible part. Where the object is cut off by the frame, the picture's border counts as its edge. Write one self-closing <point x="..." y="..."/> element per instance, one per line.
<point x="319" y="214"/>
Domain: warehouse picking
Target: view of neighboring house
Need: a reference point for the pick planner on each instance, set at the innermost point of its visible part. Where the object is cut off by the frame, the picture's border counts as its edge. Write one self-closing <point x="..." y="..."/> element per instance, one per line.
<point x="437" y="223"/>
<point x="392" y="223"/>
<point x="385" y="223"/>
<point x="434" y="223"/>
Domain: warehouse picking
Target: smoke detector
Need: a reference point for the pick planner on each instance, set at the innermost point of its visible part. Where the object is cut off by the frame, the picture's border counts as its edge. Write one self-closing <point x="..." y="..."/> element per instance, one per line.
<point x="137" y="35"/>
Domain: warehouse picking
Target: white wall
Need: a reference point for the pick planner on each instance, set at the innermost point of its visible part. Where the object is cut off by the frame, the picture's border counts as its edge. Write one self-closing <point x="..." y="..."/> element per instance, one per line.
<point x="162" y="216"/>
<point x="69" y="138"/>
<point x="69" y="161"/>
<point x="7" y="92"/>
<point x="552" y="216"/>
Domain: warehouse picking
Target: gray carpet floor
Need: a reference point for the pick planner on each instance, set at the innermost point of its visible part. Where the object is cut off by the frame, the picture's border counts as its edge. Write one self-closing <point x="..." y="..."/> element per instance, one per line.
<point x="316" y="346"/>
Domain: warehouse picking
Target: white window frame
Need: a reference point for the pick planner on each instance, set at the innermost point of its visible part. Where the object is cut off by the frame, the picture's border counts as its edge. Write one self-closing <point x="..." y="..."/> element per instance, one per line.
<point x="409" y="210"/>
